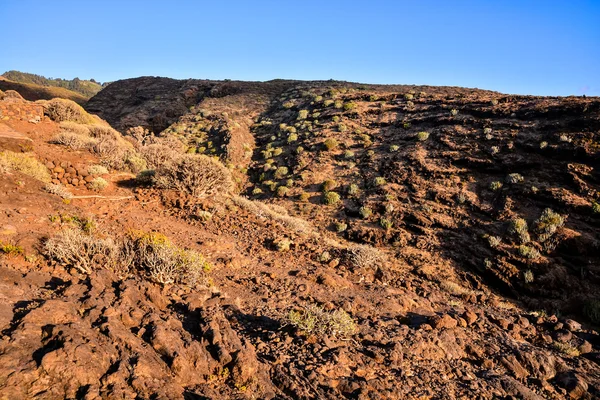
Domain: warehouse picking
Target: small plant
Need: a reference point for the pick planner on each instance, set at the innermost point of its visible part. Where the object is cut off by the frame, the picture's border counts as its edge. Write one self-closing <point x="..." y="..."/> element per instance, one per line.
<point x="11" y="249"/>
<point x="528" y="252"/>
<point x="379" y="181"/>
<point x="353" y="189"/>
<point x="409" y="96"/>
<point x="58" y="190"/>
<point x="97" y="170"/>
<point x="496" y="185"/>
<point x="281" y="172"/>
<point x="364" y="256"/>
<point x="547" y="224"/>
<point x="342" y="128"/>
<point x="348" y="154"/>
<point x="365" y="212"/>
<point x="329" y="185"/>
<point x="518" y="227"/>
<point x="543" y="145"/>
<point x="565" y="139"/>
<point x="330" y="144"/>
<point x="566" y="348"/>
<point x="394" y="148"/>
<point x="528" y="276"/>
<point x="98" y="184"/>
<point x="291" y="139"/>
<point x="494" y="241"/>
<point x="487" y="131"/>
<point x="422" y="136"/>
<point x="454" y="112"/>
<point x="283" y="245"/>
<point x="304" y="197"/>
<point x="25" y="164"/>
<point x="495" y="150"/>
<point x="349" y="106"/>
<point x="257" y="191"/>
<point x="282" y="191"/>
<point x="302" y="114"/>
<point x="514" y="178"/>
<point x="331" y="198"/>
<point x="340" y="227"/>
<point x="325" y="257"/>
<point x="595" y="207"/>
<point x="315" y="320"/>
<point x="338" y="104"/>
<point x="385" y="223"/>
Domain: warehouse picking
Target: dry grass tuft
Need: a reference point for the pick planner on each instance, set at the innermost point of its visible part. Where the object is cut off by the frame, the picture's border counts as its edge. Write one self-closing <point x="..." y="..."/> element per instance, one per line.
<point x="25" y="164"/>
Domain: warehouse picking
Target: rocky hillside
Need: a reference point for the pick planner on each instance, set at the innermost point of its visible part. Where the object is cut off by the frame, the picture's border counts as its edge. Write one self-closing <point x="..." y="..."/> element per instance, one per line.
<point x="352" y="242"/>
<point x="86" y="88"/>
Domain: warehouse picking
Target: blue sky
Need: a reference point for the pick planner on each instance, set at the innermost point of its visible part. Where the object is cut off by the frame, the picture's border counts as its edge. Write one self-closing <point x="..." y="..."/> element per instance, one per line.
<point x="525" y="47"/>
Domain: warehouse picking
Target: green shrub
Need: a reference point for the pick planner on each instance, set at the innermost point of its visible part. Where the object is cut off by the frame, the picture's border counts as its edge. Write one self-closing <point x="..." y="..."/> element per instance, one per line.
<point x="454" y="112"/>
<point x="329" y="185"/>
<point x="595" y="207"/>
<point x="66" y="110"/>
<point x="528" y="276"/>
<point x="291" y="139"/>
<point x="281" y="172"/>
<point x="365" y="212"/>
<point x="385" y="223"/>
<point x="394" y="148"/>
<point x="349" y="106"/>
<point x="283" y="245"/>
<point x="24" y="164"/>
<point x="353" y="189"/>
<point x="11" y="249"/>
<point x="282" y="191"/>
<point x="98" y="184"/>
<point x="97" y="170"/>
<point x="496" y="185"/>
<point x="547" y="224"/>
<point x="331" y="198"/>
<point x="422" y="136"/>
<point x="315" y="320"/>
<point x="514" y="178"/>
<point x="348" y="154"/>
<point x="518" y="227"/>
<point x="379" y="181"/>
<point x="528" y="252"/>
<point x="338" y="104"/>
<point x="340" y="227"/>
<point x="304" y="196"/>
<point x="494" y="241"/>
<point x="302" y="114"/>
<point x="330" y="144"/>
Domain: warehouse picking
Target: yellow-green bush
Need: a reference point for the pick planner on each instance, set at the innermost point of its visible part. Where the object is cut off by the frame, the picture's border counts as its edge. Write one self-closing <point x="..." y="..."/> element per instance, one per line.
<point x="25" y="164"/>
<point x="66" y="110"/>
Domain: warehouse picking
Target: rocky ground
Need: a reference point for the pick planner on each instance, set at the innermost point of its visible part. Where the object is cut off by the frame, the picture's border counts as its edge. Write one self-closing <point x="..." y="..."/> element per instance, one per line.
<point x="456" y="303"/>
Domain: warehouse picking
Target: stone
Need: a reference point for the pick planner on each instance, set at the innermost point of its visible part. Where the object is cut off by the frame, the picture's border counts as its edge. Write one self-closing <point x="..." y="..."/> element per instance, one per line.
<point x="573" y="383"/>
<point x="445" y="321"/>
<point x="572" y="325"/>
<point x="562" y="335"/>
<point x="470" y="317"/>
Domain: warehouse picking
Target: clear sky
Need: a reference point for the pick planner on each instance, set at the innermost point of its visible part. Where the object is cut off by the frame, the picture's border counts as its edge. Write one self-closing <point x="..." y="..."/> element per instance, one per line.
<point x="513" y="46"/>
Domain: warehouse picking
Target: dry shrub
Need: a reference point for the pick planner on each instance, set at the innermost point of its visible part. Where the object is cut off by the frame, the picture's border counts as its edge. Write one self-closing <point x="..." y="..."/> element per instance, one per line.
<point x="263" y="210"/>
<point x="101" y="131"/>
<point x="150" y="254"/>
<point x="58" y="190"/>
<point x="141" y="136"/>
<point x="77" y="249"/>
<point x="195" y="174"/>
<point x="315" y="320"/>
<point x="66" y="110"/>
<point x="158" y="154"/>
<point x="74" y="141"/>
<point x="25" y="164"/>
<point x="76" y="128"/>
<point x="365" y="256"/>
<point x="2" y="94"/>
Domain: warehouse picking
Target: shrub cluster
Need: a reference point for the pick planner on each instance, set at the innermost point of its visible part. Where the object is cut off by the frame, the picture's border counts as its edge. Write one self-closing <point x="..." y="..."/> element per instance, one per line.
<point x="25" y="164"/>
<point x="315" y="320"/>
<point x="150" y="254"/>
